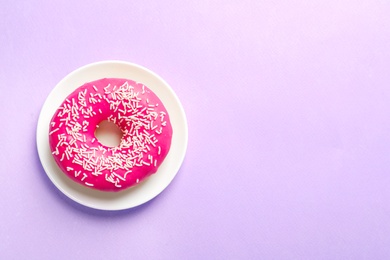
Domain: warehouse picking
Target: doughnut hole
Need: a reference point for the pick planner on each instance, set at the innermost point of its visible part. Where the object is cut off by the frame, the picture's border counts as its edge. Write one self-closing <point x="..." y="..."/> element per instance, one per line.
<point x="108" y="133"/>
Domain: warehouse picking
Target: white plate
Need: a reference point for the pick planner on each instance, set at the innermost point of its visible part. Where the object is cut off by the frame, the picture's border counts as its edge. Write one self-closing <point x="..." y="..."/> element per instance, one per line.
<point x="143" y="192"/>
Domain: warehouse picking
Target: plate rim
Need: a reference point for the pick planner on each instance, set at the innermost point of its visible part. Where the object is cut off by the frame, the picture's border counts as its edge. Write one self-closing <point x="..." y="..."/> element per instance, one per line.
<point x="85" y="69"/>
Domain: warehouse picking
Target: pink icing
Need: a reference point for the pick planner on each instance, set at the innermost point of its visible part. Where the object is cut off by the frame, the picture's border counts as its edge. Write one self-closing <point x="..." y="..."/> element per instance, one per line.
<point x="138" y="112"/>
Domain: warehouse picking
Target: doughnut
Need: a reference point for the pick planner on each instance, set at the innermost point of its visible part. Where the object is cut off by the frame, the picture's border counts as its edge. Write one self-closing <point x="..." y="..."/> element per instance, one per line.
<point x="139" y="114"/>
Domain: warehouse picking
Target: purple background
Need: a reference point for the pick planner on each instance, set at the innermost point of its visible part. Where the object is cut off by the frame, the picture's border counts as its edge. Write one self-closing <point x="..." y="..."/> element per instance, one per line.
<point x="289" y="130"/>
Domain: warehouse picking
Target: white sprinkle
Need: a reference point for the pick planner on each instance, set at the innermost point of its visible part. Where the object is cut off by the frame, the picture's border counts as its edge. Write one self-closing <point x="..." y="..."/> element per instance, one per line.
<point x="55" y="130"/>
<point x="77" y="161"/>
<point x="120" y="177"/>
<point x="89" y="184"/>
<point x="146" y="163"/>
<point x="127" y="173"/>
<point x="67" y="154"/>
<point x="59" y="143"/>
<point x="95" y="88"/>
<point x="56" y="152"/>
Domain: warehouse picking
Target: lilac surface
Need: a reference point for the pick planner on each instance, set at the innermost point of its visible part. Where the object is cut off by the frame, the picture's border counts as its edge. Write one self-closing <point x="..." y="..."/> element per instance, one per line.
<point x="288" y="111"/>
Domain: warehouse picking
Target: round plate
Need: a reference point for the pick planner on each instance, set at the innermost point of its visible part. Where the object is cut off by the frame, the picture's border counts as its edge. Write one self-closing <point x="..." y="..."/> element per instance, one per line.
<point x="146" y="190"/>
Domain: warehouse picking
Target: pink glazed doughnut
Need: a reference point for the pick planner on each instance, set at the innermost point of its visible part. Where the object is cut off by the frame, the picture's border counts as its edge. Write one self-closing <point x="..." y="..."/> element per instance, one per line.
<point x="135" y="109"/>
